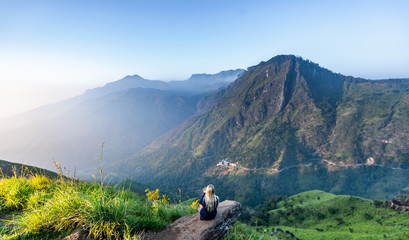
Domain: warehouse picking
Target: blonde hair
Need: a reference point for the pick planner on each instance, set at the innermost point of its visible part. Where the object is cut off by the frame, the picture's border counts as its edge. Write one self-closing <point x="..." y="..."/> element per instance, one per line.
<point x="210" y="198"/>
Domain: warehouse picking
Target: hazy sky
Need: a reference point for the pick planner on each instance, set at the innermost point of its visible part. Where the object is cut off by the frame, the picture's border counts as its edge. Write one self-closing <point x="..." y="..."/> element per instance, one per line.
<point x="52" y="50"/>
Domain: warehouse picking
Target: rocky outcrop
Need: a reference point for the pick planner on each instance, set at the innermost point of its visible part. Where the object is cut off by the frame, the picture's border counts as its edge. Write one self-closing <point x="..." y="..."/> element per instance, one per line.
<point x="192" y="228"/>
<point x="188" y="227"/>
<point x="78" y="234"/>
<point x="398" y="203"/>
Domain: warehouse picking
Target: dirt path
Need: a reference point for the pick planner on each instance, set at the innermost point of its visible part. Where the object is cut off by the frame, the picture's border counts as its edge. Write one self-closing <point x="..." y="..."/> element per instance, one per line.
<point x="309" y="164"/>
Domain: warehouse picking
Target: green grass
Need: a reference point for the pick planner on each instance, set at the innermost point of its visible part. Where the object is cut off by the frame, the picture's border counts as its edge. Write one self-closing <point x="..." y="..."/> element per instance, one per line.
<point x="320" y="215"/>
<point x="36" y="207"/>
<point x="241" y="231"/>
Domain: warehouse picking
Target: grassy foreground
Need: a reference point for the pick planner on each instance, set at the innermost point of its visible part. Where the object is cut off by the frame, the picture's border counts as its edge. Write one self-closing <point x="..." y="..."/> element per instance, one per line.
<point x="37" y="207"/>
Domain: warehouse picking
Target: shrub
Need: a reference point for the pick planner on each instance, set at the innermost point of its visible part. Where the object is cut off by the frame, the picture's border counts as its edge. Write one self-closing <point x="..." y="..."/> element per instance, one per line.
<point x="333" y="210"/>
<point x="367" y="216"/>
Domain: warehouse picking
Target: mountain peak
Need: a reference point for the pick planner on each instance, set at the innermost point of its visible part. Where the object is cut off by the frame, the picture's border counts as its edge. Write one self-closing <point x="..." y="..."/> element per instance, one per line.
<point x="227" y="76"/>
<point x="281" y="59"/>
<point x="133" y="77"/>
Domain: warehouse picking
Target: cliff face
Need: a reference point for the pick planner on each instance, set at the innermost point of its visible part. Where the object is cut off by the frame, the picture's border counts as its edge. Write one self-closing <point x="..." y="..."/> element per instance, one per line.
<point x="372" y="123"/>
<point x="284" y="114"/>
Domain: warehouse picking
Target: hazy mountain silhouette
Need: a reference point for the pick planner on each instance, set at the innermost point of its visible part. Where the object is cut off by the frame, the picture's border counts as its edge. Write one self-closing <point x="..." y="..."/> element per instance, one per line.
<point x="127" y="115"/>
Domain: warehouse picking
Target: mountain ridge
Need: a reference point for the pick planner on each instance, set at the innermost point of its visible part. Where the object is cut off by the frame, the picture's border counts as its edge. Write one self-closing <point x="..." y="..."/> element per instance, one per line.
<point x="280" y="113"/>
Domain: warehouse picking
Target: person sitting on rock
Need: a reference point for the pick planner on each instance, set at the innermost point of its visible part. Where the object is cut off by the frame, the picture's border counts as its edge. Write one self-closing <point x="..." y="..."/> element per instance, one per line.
<point x="208" y="203"/>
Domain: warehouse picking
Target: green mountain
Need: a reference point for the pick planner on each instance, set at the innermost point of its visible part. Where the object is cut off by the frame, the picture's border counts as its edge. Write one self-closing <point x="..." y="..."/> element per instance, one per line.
<point x="288" y="126"/>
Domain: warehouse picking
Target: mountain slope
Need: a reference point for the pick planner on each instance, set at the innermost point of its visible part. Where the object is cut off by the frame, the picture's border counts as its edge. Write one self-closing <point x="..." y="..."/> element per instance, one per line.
<point x="127" y="115"/>
<point x="8" y="169"/>
<point x="287" y="113"/>
<point x="125" y="121"/>
<point x="320" y="215"/>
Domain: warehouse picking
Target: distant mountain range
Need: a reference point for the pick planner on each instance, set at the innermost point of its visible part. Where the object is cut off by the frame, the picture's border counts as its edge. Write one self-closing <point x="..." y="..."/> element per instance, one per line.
<point x="283" y="127"/>
<point x="196" y="84"/>
<point x="287" y="125"/>
<point x="126" y="115"/>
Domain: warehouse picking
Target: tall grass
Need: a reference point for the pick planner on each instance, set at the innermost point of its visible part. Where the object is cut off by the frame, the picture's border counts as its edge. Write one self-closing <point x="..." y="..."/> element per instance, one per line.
<point x="16" y="193"/>
<point x="45" y="208"/>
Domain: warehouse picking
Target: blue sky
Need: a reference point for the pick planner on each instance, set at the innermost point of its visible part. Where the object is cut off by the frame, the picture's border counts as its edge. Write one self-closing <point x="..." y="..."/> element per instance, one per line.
<point x="51" y="50"/>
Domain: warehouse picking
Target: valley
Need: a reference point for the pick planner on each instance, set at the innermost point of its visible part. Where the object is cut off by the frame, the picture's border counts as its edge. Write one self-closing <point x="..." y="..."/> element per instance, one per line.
<point x="136" y="120"/>
<point x="285" y="131"/>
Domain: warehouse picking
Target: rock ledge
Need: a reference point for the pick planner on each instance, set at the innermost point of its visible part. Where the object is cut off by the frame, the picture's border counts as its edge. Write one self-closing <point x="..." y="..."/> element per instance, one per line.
<point x="192" y="228"/>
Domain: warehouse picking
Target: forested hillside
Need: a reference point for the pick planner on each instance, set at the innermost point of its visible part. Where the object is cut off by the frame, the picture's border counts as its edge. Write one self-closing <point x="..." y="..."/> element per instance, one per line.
<point x="289" y="125"/>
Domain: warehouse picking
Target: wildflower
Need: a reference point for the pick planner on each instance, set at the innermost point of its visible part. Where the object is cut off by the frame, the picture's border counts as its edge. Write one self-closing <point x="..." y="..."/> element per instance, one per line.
<point x="195" y="204"/>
